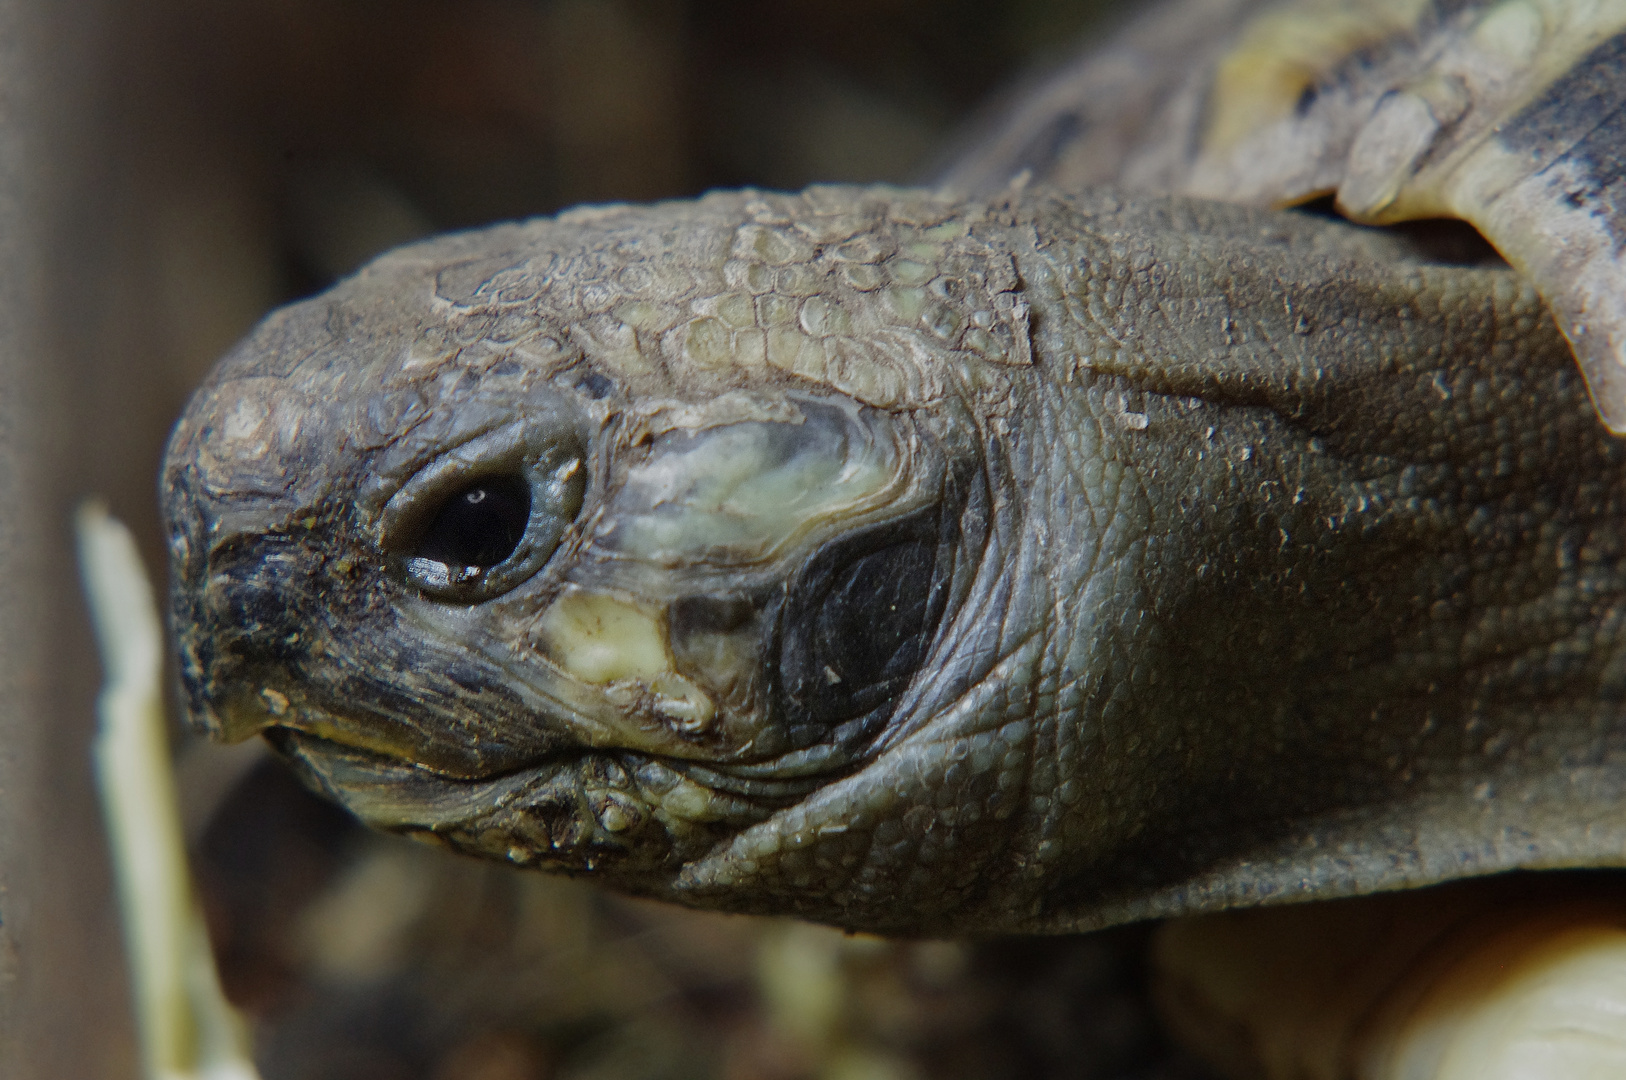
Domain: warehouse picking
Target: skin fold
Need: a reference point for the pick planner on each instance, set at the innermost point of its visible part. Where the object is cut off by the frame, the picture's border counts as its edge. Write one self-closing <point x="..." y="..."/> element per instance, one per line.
<point x="924" y="566"/>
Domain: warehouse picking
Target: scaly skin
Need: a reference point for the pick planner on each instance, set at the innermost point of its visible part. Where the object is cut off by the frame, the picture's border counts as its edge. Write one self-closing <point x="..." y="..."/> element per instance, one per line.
<point x="927" y="567"/>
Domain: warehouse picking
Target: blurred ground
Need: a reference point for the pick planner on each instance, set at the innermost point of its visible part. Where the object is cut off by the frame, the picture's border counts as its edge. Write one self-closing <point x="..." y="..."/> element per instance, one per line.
<point x="371" y="958"/>
<point x="209" y="161"/>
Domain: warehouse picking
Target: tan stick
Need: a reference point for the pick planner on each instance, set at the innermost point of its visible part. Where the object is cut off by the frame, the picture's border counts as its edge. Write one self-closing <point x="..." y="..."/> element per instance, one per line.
<point x="189" y="1031"/>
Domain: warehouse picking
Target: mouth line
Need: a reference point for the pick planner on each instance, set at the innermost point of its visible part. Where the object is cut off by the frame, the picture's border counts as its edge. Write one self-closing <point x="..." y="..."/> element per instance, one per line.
<point x="332" y="745"/>
<point x="307" y="746"/>
<point x="390" y="793"/>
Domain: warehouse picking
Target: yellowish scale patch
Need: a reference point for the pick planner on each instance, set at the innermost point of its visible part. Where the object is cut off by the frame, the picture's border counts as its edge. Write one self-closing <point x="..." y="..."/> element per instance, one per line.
<point x="733" y="491"/>
<point x="606" y="641"/>
<point x="689" y="801"/>
<point x="1283" y="54"/>
<point x="599" y="638"/>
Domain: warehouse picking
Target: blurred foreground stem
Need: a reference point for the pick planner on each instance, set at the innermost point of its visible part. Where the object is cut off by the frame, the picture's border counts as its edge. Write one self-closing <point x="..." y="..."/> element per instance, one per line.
<point x="188" y="1029"/>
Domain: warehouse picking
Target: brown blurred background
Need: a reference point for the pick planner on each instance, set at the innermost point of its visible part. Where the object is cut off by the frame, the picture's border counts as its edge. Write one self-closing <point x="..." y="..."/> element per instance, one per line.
<point x="171" y="169"/>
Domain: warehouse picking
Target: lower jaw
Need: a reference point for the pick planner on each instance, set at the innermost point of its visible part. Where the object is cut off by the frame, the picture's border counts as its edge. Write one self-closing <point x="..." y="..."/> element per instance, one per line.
<point x="578" y="813"/>
<point x="633" y="818"/>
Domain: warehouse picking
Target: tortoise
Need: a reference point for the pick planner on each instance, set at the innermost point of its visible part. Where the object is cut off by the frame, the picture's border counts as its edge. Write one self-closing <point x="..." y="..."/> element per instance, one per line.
<point x="1144" y="521"/>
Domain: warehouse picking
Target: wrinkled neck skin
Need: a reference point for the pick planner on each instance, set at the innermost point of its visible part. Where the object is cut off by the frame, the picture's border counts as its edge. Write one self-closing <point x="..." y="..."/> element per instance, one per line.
<point x="1262" y="559"/>
<point x="1307" y="589"/>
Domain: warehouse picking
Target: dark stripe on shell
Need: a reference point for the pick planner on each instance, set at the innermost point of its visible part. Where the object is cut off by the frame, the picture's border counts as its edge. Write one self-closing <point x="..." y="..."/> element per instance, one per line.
<point x="1581" y="119"/>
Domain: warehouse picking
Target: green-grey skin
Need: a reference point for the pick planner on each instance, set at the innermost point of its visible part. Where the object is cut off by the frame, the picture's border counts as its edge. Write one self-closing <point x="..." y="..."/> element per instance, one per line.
<point x="927" y="567"/>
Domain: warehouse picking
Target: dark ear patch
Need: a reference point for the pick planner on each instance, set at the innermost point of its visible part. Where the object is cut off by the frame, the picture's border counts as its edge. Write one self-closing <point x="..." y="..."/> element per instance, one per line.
<point x="859" y="623"/>
<point x="868" y="627"/>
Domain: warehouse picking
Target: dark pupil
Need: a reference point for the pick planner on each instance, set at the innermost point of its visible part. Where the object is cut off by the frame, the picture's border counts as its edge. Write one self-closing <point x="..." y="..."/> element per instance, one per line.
<point x="480" y="525"/>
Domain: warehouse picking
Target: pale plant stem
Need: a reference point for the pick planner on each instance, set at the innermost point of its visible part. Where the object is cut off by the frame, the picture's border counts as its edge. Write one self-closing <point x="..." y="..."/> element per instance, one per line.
<point x="189" y="1031"/>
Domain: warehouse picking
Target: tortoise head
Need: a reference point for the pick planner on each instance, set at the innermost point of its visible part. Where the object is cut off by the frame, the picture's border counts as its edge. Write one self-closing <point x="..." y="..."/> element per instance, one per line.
<point x="599" y="543"/>
<point x="738" y="552"/>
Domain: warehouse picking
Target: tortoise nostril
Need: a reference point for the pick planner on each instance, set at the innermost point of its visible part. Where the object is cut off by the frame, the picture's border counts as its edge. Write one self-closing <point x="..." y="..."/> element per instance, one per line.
<point x="255" y="616"/>
<point x="240" y="644"/>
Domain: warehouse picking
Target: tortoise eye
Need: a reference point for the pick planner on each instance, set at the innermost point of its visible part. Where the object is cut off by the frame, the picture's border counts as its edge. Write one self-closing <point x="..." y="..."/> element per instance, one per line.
<point x="468" y="538"/>
<point x="479" y="525"/>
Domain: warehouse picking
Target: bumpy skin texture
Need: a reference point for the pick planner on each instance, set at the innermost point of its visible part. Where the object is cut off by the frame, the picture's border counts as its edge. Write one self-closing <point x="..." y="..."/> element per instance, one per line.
<point x="923" y="566"/>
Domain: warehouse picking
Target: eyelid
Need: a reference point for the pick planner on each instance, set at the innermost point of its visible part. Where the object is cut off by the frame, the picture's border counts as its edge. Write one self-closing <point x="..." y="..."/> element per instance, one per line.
<point x="495" y="452"/>
<point x="552" y="460"/>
